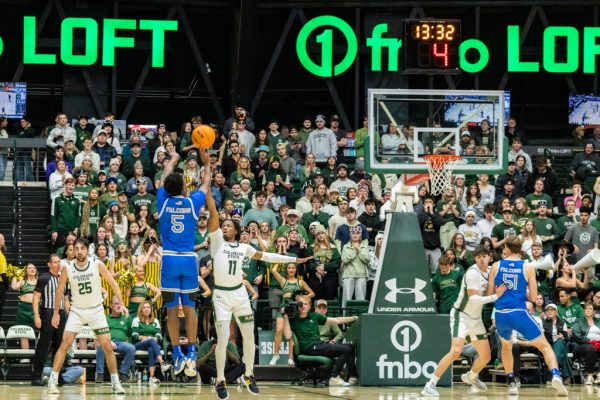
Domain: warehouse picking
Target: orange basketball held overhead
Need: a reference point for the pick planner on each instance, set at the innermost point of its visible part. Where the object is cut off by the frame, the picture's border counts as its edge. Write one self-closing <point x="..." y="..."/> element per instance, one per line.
<point x="204" y="136"/>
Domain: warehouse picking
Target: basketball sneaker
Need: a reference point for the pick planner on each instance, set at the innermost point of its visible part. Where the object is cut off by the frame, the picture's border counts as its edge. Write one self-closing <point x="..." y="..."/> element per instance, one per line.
<point x="53" y="387"/>
<point x="221" y="389"/>
<point x="513" y="390"/>
<point x="430" y="391"/>
<point x="117" y="388"/>
<point x="179" y="363"/>
<point x="250" y="383"/>
<point x="190" y="363"/>
<point x="474" y="381"/>
<point x="557" y="384"/>
<point x="338" y="381"/>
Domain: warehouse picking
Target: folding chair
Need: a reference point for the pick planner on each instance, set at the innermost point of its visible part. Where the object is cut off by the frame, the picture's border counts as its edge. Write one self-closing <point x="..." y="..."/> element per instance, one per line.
<point x="17" y="332"/>
<point x="315" y="368"/>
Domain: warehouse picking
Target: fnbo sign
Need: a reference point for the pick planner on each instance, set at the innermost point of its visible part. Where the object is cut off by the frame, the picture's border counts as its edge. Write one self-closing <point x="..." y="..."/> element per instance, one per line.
<point x="115" y="33"/>
<point x="581" y="45"/>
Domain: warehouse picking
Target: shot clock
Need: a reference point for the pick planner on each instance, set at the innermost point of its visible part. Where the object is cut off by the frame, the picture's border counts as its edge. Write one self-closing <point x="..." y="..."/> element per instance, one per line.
<point x="431" y="45"/>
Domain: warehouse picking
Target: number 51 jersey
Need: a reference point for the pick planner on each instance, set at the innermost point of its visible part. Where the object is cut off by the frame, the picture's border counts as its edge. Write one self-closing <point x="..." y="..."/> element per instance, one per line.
<point x="228" y="259"/>
<point x="512" y="273"/>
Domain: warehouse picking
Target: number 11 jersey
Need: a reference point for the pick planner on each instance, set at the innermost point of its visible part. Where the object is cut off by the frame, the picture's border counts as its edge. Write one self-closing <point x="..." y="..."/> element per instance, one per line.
<point x="227" y="260"/>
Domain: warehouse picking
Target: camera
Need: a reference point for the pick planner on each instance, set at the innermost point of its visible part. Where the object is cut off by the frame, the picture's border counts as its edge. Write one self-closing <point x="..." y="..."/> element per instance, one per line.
<point x="291" y="309"/>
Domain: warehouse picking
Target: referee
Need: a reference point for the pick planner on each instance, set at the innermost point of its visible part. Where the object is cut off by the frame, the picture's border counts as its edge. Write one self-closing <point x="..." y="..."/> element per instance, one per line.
<point x="43" y="308"/>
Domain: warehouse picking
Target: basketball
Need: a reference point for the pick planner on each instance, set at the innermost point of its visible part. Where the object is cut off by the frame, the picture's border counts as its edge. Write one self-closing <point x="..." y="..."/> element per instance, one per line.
<point x="204" y="136"/>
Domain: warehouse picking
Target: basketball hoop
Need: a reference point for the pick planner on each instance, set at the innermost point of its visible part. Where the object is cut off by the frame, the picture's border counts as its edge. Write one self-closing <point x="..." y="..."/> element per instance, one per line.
<point x="440" y="168"/>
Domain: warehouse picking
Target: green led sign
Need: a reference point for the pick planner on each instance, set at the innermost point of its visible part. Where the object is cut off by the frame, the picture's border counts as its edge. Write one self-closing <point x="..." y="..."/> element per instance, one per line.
<point x="435" y="45"/>
<point x="116" y="33"/>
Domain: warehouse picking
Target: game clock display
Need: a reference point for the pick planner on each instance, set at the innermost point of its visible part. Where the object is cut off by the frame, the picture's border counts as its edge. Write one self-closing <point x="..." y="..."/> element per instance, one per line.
<point x="431" y="45"/>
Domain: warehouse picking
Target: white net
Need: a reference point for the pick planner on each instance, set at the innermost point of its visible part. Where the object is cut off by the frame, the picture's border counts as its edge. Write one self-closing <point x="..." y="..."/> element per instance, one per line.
<point x="440" y="171"/>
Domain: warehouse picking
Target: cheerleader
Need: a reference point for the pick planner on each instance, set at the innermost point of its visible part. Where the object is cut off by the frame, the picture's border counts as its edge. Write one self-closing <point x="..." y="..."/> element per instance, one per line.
<point x="26" y="288"/>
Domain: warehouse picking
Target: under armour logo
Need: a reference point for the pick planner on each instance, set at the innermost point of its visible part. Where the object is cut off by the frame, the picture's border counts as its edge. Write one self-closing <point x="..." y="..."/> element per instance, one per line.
<point x="394" y="290"/>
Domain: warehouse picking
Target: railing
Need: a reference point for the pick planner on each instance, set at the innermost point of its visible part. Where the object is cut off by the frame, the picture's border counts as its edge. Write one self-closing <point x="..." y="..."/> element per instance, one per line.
<point x="28" y="159"/>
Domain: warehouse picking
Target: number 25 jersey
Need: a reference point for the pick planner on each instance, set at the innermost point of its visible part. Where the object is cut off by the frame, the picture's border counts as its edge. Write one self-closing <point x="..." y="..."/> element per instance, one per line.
<point x="228" y="259"/>
<point x="512" y="273"/>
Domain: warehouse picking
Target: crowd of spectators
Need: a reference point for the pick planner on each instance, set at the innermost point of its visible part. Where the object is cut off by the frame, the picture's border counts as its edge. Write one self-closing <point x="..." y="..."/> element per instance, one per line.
<point x="293" y="192"/>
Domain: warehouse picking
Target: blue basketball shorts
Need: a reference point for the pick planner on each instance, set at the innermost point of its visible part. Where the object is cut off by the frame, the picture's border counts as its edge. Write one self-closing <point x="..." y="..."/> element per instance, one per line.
<point x="179" y="278"/>
<point x="520" y="321"/>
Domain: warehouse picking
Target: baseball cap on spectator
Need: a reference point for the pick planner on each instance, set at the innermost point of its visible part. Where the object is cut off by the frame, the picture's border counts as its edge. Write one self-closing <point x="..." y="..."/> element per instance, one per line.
<point x="318" y="174"/>
<point x="342" y="165"/>
<point x="342" y="199"/>
<point x="102" y="132"/>
<point x="80" y="172"/>
<point x="213" y="153"/>
<point x="135" y="144"/>
<point x="112" y="203"/>
<point x="114" y="161"/>
<point x="308" y="183"/>
<point x="122" y="193"/>
<point x="293" y="229"/>
<point x="273" y="159"/>
<point x="551" y="305"/>
<point x="589" y="196"/>
<point x="541" y="203"/>
<point x="321" y="302"/>
<point x="112" y="179"/>
<point x="262" y="147"/>
<point x="120" y="241"/>
<point x="69" y="140"/>
<point x="334" y="190"/>
<point x="459" y="176"/>
<point x="313" y="225"/>
<point x="507" y="210"/>
<point x="140" y="181"/>
<point x="511" y="181"/>
<point x="292" y="211"/>
<point x="320" y="229"/>
<point x="470" y="213"/>
<point x="465" y="133"/>
<point x="191" y="156"/>
<point x="356" y="228"/>
<point x="512" y="163"/>
<point x="320" y="117"/>
<point x="102" y="172"/>
<point x="236" y="211"/>
<point x="334" y="117"/>
<point x="386" y="191"/>
<point x="379" y="235"/>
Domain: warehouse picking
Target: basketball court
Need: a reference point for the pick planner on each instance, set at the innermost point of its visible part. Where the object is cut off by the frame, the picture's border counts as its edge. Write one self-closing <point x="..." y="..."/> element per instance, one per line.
<point x="282" y="391"/>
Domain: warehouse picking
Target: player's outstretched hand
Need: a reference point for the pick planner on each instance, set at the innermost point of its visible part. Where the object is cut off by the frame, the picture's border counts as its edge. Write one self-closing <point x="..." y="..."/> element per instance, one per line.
<point x="55" y="320"/>
<point x="501" y="289"/>
<point x="303" y="260"/>
<point x="204" y="156"/>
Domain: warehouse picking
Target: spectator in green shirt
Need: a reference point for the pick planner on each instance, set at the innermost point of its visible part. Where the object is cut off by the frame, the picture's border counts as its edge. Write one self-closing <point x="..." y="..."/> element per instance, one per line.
<point x="446" y="284"/>
<point x="330" y="333"/>
<point x="146" y="333"/>
<point x="120" y="331"/>
<point x="306" y="328"/>
<point x="569" y="308"/>
<point x="207" y="366"/>
<point x="361" y="136"/>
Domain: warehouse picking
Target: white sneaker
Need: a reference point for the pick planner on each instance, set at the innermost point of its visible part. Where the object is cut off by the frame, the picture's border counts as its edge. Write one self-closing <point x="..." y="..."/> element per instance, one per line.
<point x="154" y="381"/>
<point x="291" y="362"/>
<point x="164" y="367"/>
<point x="337" y="382"/>
<point x="558" y="385"/>
<point x="353" y="381"/>
<point x="466" y="378"/>
<point x="53" y="387"/>
<point x="430" y="391"/>
<point x="117" y="388"/>
<point x="513" y="390"/>
<point x="274" y="360"/>
<point x="589" y="380"/>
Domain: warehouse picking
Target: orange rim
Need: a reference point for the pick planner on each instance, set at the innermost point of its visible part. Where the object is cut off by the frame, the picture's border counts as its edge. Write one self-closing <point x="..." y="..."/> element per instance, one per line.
<point x="437" y="161"/>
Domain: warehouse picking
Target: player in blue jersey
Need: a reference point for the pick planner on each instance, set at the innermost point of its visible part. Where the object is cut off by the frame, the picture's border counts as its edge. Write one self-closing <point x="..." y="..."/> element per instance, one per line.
<point x="512" y="315"/>
<point x="177" y="216"/>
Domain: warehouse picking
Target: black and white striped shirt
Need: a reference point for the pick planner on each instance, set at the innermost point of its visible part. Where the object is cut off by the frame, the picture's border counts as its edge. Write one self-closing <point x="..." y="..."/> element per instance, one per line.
<point x="47" y="285"/>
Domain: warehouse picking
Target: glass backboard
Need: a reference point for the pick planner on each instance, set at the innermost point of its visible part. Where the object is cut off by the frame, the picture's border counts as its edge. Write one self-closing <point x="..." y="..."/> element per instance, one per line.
<point x="406" y="124"/>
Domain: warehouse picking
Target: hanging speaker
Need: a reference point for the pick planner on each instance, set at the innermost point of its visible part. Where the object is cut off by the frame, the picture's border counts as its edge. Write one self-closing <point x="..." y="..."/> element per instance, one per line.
<point x="592" y="258"/>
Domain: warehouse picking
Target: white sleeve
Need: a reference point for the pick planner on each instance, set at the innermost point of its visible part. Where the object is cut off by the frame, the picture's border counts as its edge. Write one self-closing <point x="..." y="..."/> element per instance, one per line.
<point x="216" y="240"/>
<point x="250" y="251"/>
